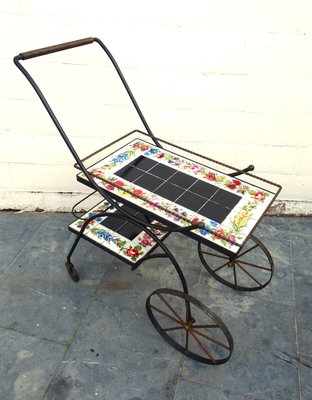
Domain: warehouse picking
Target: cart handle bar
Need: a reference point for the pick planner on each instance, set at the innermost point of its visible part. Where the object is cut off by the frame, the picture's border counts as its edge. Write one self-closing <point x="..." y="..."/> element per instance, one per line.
<point x="53" y="49"/>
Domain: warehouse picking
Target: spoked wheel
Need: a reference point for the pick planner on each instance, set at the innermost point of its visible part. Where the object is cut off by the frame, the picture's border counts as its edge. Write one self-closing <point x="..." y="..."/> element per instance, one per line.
<point x="189" y="326"/>
<point x="72" y="272"/>
<point x="251" y="269"/>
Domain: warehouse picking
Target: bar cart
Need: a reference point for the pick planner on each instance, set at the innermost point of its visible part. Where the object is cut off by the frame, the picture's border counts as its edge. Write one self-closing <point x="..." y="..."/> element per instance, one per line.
<point x="151" y="188"/>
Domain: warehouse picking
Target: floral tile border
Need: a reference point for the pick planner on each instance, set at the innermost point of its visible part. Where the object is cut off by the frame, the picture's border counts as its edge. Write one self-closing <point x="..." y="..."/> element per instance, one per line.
<point x="131" y="250"/>
<point x="233" y="230"/>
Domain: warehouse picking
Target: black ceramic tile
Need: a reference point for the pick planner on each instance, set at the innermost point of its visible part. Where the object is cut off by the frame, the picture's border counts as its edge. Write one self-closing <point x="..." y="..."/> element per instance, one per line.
<point x="182" y="180"/>
<point x="226" y="199"/>
<point x="129" y="173"/>
<point x="130" y="231"/>
<point x="191" y="201"/>
<point x="204" y="189"/>
<point x="214" y="211"/>
<point x="162" y="171"/>
<point x="143" y="163"/>
<point x="169" y="191"/>
<point x="113" y="223"/>
<point x="149" y="182"/>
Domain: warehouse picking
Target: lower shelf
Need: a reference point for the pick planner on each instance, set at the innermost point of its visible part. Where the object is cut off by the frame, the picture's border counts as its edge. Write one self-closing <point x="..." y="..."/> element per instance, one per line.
<point x="117" y="236"/>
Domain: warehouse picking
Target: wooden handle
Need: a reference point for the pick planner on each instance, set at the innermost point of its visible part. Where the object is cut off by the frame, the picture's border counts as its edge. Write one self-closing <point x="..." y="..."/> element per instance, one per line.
<point x="53" y="49"/>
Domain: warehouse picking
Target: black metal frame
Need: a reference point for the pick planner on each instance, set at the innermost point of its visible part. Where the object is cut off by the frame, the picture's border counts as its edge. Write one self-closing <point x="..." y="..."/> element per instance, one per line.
<point x="146" y="226"/>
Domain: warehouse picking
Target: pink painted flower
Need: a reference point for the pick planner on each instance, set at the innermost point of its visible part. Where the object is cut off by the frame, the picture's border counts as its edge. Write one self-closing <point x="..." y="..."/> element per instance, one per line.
<point x="232" y="238"/>
<point x="135" y="145"/>
<point x="259" y="196"/>
<point x="154" y="202"/>
<point x="195" y="169"/>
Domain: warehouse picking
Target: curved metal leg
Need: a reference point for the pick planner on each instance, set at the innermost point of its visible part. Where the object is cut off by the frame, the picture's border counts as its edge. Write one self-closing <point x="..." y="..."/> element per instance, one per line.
<point x="251" y="269"/>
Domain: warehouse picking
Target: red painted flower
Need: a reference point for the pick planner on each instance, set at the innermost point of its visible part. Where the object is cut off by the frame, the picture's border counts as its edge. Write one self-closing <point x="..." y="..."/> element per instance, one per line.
<point x="231" y="186"/>
<point x="160" y="155"/>
<point x="143" y="148"/>
<point x="119" y="183"/>
<point x="138" y="192"/>
<point x="195" y="220"/>
<point x="210" y="176"/>
<point x="259" y="196"/>
<point x="236" y="182"/>
<point x="110" y="187"/>
<point x="220" y="233"/>
<point x="132" y="252"/>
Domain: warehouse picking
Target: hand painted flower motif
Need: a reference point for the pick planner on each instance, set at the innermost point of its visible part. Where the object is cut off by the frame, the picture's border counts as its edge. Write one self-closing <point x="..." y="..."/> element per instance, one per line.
<point x="110" y="187"/>
<point x="220" y="234"/>
<point x="105" y="235"/>
<point x="153" y="202"/>
<point x="231" y="186"/>
<point x="135" y="145"/>
<point x="160" y="155"/>
<point x="138" y="192"/>
<point x="259" y="196"/>
<point x="232" y="239"/>
<point x="144" y="148"/>
<point x="131" y="252"/>
<point x="195" y="169"/>
<point x="210" y="176"/>
<point x="236" y="182"/>
<point x="146" y="240"/>
<point x="119" y="183"/>
<point x="96" y="172"/>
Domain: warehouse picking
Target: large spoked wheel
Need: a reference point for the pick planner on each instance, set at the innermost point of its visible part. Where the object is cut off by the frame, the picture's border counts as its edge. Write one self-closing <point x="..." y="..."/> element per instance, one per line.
<point x="189" y="326"/>
<point x="251" y="269"/>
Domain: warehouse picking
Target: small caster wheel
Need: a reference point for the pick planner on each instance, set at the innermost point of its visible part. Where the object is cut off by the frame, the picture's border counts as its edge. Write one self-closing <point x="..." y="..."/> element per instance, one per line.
<point x="189" y="326"/>
<point x="72" y="272"/>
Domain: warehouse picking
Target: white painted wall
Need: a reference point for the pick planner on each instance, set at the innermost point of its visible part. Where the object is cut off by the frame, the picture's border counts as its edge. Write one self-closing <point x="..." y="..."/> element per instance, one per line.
<point x="232" y="79"/>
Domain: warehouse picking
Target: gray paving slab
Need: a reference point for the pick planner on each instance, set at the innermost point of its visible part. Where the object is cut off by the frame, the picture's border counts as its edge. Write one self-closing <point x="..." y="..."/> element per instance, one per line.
<point x="94" y="339"/>
<point x="16" y="232"/>
<point x="27" y="365"/>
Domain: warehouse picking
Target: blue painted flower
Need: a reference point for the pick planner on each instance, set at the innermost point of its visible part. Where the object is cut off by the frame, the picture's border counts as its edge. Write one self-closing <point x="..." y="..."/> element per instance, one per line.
<point x="214" y="223"/>
<point x="153" y="151"/>
<point x="120" y="158"/>
<point x="103" y="234"/>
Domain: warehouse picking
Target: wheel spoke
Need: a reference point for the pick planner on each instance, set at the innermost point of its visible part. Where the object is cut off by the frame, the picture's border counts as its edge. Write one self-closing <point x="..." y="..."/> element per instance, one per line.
<point x="174" y="328"/>
<point x="203" y="347"/>
<point x="247" y="273"/>
<point x="247" y="251"/>
<point x="171" y="308"/>
<point x="166" y="315"/>
<point x="211" y="339"/>
<point x="222" y="266"/>
<point x="255" y="265"/>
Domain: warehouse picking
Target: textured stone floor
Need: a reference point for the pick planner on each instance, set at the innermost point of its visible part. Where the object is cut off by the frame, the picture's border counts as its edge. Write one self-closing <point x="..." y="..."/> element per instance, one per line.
<point x="93" y="340"/>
